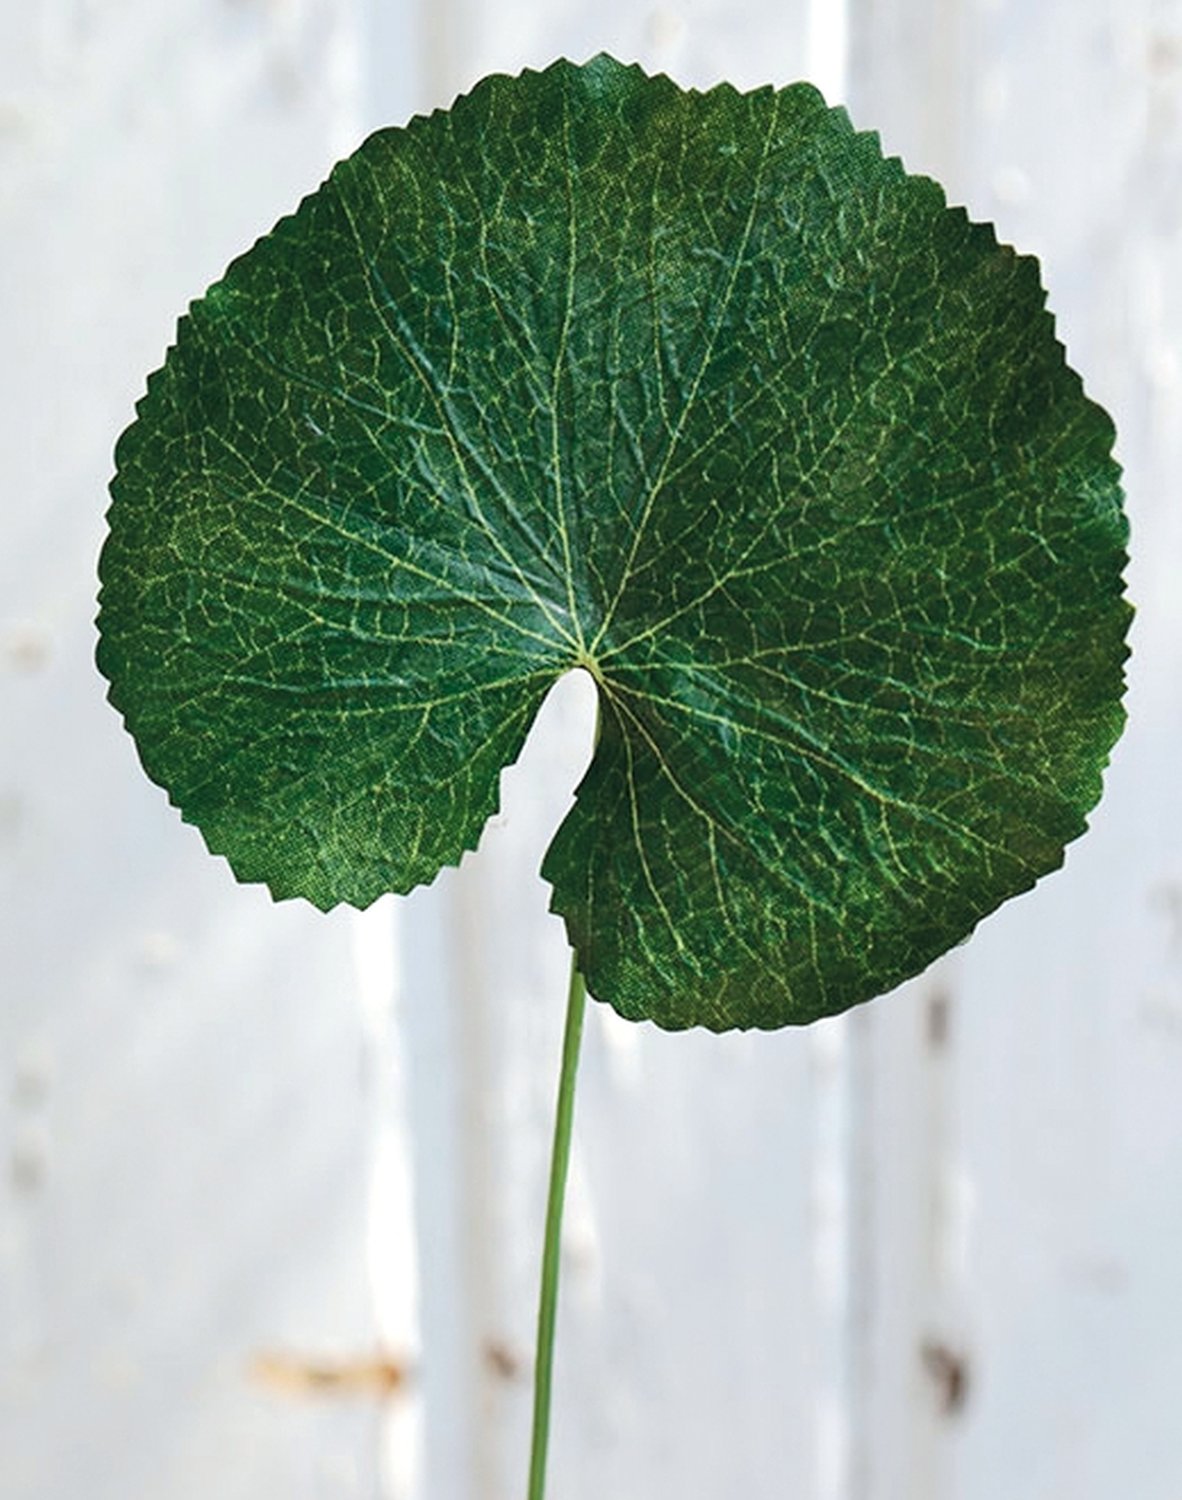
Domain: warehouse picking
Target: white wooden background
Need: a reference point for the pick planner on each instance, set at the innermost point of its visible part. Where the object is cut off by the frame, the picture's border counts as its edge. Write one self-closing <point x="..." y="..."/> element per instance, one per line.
<point x="928" y="1252"/>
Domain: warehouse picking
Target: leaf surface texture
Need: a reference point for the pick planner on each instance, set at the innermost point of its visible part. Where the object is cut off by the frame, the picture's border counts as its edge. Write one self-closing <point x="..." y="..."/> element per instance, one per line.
<point x="697" y="392"/>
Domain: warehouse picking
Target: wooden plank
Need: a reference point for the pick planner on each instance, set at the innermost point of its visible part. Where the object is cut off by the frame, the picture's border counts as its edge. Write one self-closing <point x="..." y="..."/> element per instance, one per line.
<point x="1073" y="999"/>
<point x="1061" y="1122"/>
<point x="703" y="1338"/>
<point x="184" y="1127"/>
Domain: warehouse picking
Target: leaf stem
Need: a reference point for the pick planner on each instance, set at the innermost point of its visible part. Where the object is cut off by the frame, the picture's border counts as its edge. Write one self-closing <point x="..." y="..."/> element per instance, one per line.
<point x="576" y="1004"/>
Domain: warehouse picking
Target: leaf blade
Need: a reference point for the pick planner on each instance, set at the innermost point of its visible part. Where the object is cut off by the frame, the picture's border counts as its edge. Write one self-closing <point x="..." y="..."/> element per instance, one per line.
<point x="698" y="392"/>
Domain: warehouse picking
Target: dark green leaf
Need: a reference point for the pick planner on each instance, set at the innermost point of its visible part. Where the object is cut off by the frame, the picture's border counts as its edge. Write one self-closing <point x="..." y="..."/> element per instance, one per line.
<point x="697" y="392"/>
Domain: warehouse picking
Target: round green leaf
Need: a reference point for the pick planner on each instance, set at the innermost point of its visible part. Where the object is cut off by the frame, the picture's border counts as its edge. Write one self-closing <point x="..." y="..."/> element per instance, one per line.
<point x="696" y="392"/>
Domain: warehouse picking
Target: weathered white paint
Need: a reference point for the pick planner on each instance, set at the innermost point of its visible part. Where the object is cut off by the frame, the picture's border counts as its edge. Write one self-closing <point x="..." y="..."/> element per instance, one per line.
<point x="1074" y="1001"/>
<point x="184" y="1126"/>
<point x="393" y="1249"/>
<point x="1049" y="1118"/>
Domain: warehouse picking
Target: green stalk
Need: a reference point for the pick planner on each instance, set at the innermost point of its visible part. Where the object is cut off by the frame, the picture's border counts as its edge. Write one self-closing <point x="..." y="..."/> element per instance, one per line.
<point x="576" y="1004"/>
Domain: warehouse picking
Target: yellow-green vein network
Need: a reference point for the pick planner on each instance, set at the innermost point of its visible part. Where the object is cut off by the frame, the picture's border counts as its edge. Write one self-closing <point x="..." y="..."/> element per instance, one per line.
<point x="696" y="392"/>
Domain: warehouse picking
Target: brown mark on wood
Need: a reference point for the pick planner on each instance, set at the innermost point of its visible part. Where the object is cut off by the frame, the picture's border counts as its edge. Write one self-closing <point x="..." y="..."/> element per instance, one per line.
<point x="502" y="1359"/>
<point x="1166" y="899"/>
<point x="1165" y="52"/>
<point x="28" y="1162"/>
<point x="949" y="1371"/>
<point x="939" y="1007"/>
<point x="24" y="648"/>
<point x="294" y="1375"/>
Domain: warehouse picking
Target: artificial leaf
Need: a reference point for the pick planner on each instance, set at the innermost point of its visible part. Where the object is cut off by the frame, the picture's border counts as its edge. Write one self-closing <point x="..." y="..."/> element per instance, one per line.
<point x="695" y="391"/>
